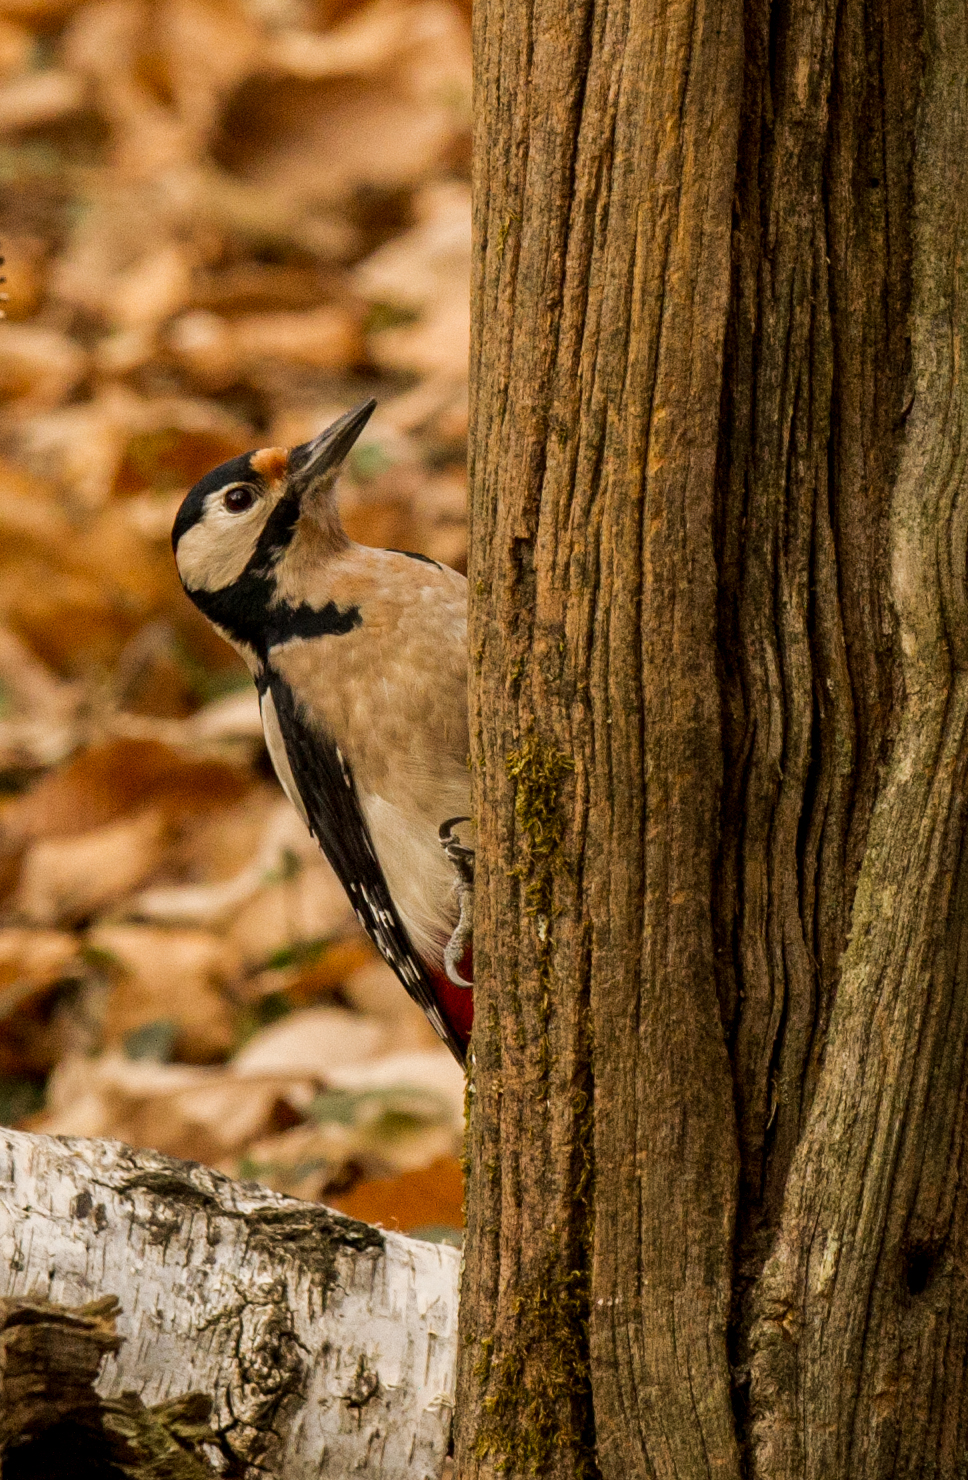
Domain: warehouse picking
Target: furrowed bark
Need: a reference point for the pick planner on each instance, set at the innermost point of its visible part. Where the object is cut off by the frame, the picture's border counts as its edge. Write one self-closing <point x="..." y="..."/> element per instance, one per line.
<point x="325" y="1346"/>
<point x="719" y="637"/>
<point x="817" y="377"/>
<point x="605" y="160"/>
<point x="862" y="1325"/>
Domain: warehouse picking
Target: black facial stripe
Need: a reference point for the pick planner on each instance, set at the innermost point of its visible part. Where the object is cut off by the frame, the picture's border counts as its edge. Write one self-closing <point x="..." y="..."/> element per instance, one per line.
<point x="276" y="534"/>
<point x="412" y="555"/>
<point x="245" y="611"/>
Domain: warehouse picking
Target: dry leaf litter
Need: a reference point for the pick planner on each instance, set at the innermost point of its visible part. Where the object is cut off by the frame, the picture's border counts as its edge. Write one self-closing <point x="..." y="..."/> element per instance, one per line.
<point x="225" y="221"/>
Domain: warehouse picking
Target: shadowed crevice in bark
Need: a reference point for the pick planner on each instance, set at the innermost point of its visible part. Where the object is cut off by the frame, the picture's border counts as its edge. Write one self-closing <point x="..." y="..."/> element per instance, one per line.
<point x="816" y="378"/>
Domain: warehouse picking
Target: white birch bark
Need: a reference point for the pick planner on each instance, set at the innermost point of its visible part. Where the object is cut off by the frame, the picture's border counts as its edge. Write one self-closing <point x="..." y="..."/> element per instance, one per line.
<point x="328" y="1346"/>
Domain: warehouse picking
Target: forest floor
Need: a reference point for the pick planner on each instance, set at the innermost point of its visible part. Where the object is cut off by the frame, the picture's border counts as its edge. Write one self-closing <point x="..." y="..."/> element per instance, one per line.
<point x="225" y="222"/>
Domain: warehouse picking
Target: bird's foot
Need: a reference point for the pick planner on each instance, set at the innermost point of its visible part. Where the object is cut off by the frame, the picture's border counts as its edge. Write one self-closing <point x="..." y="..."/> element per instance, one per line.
<point x="463" y="860"/>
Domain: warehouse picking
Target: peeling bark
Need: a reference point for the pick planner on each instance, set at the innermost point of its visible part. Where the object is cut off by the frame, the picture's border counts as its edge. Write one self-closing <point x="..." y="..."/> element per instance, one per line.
<point x="324" y="1346"/>
<point x="54" y="1426"/>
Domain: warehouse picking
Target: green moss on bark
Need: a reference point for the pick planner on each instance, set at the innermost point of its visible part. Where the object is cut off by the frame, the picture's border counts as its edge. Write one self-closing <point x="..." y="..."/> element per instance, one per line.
<point x="538" y="1389"/>
<point x="539" y="771"/>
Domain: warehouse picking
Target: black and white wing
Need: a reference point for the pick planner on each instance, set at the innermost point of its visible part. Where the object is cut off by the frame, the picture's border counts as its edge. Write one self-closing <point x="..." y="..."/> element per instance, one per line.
<point x="318" y="781"/>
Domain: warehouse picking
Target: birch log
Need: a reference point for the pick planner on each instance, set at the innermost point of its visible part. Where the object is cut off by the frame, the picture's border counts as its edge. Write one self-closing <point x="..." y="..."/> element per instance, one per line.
<point x="327" y="1346"/>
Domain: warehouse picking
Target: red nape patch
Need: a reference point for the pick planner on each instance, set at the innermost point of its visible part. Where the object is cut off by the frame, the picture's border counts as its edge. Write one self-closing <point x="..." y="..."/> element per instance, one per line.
<point x="457" y="1003"/>
<point x="270" y="463"/>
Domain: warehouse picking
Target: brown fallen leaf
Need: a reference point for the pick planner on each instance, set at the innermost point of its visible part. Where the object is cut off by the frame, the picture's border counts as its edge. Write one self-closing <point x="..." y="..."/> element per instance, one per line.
<point x="424" y="45"/>
<point x="326" y="338"/>
<point x="233" y="1112"/>
<point x="440" y="510"/>
<point x="203" y="47"/>
<point x="400" y="1142"/>
<point x="206" y="346"/>
<point x="436" y="406"/>
<point x="216" y="844"/>
<point x="368" y="41"/>
<point x="336" y="964"/>
<point x="16" y="44"/>
<point x="159" y="68"/>
<point x="32" y="963"/>
<point x="38" y="11"/>
<point x="196" y="1113"/>
<point x="234" y="288"/>
<point x="171" y="444"/>
<point x="173" y="976"/>
<point x="425" y="271"/>
<point x="299" y="899"/>
<point x="65" y="879"/>
<point x="219" y="351"/>
<point x="107" y="43"/>
<point x="33" y="1011"/>
<point x="39" y="367"/>
<point x="323" y="140"/>
<point x="304" y="1160"/>
<point x="109" y="780"/>
<point x="30" y="687"/>
<point x="130" y="562"/>
<point x="421" y="266"/>
<point x="25" y="257"/>
<point x="234" y="716"/>
<point x="32" y="522"/>
<point x="151" y="682"/>
<point x="286" y="893"/>
<point x="439" y="344"/>
<point x="431" y="1074"/>
<point x="155" y="286"/>
<point x="36" y="98"/>
<point x="119" y="443"/>
<point x="370" y="1133"/>
<point x="312" y="1044"/>
<point x="108" y="1095"/>
<point x="69" y="619"/>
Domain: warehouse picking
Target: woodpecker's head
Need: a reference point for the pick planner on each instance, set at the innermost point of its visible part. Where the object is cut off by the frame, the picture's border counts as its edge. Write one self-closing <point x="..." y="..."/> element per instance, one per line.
<point x="238" y="521"/>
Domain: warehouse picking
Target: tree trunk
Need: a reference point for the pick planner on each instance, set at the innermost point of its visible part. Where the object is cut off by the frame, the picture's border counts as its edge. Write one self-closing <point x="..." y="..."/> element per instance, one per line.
<point x="720" y="739"/>
<point x="325" y="1347"/>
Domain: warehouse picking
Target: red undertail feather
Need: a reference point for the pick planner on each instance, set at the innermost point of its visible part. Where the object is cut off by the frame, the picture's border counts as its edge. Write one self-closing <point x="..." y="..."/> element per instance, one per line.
<point x="456" y="1003"/>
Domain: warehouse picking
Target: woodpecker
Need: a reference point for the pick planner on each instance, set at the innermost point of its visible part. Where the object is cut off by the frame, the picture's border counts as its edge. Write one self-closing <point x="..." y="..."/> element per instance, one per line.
<point x="359" y="656"/>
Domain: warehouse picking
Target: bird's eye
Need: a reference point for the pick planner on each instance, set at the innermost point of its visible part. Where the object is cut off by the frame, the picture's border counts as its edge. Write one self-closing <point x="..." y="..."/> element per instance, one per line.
<point x="237" y="500"/>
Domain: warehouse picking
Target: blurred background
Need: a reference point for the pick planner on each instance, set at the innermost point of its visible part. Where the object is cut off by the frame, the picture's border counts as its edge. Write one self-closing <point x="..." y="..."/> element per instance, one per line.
<point x="225" y="222"/>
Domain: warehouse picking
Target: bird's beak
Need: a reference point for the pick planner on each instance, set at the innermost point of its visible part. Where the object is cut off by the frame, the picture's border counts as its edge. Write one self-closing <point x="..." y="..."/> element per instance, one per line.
<point x="310" y="462"/>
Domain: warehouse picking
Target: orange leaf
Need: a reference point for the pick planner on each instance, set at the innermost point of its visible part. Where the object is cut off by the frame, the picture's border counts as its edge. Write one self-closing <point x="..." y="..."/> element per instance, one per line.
<point x="432" y="1195"/>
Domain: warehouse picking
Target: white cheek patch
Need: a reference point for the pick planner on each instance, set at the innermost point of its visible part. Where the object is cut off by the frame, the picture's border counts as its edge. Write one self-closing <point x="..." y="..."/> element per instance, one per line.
<point x="216" y="550"/>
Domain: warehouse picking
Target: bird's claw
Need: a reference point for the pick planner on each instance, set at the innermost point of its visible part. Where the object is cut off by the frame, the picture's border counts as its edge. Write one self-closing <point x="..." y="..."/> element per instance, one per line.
<point x="461" y="857"/>
<point x="463" y="860"/>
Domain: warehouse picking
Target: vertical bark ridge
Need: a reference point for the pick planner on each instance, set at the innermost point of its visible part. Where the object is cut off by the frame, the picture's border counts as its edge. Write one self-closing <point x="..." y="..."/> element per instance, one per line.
<point x="606" y="237"/>
<point x="865" y="1266"/>
<point x="528" y="1356"/>
<point x="812" y="418"/>
<point x="720" y="720"/>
